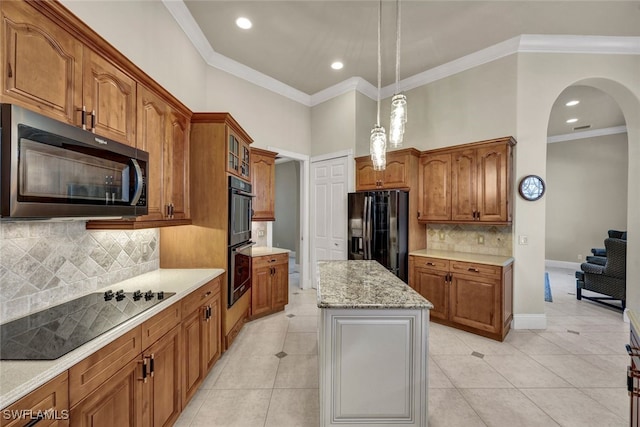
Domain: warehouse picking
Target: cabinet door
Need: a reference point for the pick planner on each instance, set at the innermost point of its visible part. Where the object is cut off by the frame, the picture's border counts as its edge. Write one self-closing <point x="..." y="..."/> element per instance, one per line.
<point x="396" y="173"/>
<point x="110" y="96"/>
<point x="43" y="63"/>
<point x="492" y="199"/>
<point x="261" y="290"/>
<point x="264" y="185"/>
<point x="211" y="334"/>
<point x="176" y="166"/>
<point x="463" y="185"/>
<point x="152" y="117"/>
<point x="53" y="397"/>
<point x="117" y="402"/>
<point x="434" y="187"/>
<point x="238" y="156"/>
<point x="161" y="393"/>
<point x="280" y="286"/>
<point x="476" y="302"/>
<point x="432" y="285"/>
<point x="366" y="177"/>
<point x="192" y="354"/>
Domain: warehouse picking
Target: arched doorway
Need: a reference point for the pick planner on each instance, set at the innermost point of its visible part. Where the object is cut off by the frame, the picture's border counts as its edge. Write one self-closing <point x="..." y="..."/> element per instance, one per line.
<point x="587" y="180"/>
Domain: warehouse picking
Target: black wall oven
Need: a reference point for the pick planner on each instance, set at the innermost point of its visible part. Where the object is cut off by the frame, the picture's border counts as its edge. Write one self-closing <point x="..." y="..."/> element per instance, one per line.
<point x="239" y="211"/>
<point x="239" y="250"/>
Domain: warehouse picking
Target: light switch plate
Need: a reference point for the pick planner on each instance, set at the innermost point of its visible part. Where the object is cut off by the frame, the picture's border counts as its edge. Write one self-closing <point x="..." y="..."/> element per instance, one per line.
<point x="523" y="240"/>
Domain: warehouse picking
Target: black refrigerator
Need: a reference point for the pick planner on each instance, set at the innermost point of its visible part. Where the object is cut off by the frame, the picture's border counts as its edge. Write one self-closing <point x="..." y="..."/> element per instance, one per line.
<point x="379" y="229"/>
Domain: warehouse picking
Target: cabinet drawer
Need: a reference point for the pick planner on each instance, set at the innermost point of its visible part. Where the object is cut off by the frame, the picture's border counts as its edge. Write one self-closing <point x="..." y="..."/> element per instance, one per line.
<point x="270" y="260"/>
<point x="485" y="270"/>
<point x="154" y="328"/>
<point x="89" y="374"/>
<point x="52" y="397"/>
<point x="195" y="299"/>
<point x="434" y="263"/>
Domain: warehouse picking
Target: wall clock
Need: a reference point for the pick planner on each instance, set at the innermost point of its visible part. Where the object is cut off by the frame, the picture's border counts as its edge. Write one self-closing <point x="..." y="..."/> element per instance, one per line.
<point x="531" y="187"/>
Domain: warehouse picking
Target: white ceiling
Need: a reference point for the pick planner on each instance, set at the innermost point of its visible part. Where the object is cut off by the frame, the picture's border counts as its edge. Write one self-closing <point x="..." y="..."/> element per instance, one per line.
<point x="294" y="42"/>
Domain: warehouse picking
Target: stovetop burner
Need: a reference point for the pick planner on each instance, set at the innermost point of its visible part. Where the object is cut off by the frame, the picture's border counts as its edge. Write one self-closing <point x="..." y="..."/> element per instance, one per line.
<point x="52" y="333"/>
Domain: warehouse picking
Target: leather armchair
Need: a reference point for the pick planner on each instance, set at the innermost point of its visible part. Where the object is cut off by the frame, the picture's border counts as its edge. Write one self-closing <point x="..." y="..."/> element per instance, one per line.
<point x="609" y="279"/>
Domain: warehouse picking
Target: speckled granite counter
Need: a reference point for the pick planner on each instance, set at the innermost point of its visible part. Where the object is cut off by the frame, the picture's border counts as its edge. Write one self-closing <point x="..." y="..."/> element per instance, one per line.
<point x="267" y="250"/>
<point x="18" y="378"/>
<point x="499" y="260"/>
<point x="363" y="284"/>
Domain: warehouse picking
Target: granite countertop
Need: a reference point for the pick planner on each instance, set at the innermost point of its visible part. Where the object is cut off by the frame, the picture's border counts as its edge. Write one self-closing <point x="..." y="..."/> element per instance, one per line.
<point x="364" y="284"/>
<point x="18" y="378"/>
<point x="499" y="260"/>
<point x="257" y="251"/>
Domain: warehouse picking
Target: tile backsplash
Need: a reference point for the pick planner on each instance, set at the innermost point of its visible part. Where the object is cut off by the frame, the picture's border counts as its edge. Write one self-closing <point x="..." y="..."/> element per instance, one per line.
<point x="482" y="239"/>
<point x="47" y="263"/>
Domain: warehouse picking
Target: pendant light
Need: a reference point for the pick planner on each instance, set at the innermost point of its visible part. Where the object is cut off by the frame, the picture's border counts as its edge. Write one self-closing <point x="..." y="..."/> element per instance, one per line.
<point x="378" y="142"/>
<point x="398" y="101"/>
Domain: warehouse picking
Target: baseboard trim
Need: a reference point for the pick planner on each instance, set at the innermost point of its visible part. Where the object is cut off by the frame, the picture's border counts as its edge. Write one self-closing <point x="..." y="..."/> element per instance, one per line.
<point x="562" y="264"/>
<point x="529" y="321"/>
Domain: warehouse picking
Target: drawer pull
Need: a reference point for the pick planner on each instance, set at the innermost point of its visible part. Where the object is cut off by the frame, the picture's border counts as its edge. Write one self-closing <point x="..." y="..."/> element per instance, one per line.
<point x="475" y="270"/>
<point x="430" y="263"/>
<point x="207" y="294"/>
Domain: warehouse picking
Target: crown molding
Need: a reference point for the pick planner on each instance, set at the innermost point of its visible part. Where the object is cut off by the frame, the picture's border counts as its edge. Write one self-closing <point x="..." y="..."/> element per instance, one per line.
<point x="354" y="83"/>
<point x="587" y="134"/>
<point x="609" y="45"/>
<point x="526" y="43"/>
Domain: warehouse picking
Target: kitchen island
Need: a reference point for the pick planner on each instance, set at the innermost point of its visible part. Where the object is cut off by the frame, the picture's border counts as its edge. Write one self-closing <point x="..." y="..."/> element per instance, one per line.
<point x="373" y="346"/>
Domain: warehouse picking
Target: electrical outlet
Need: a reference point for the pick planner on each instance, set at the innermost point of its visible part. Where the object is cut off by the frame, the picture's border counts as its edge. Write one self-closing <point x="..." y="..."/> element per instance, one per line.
<point x="579" y="257"/>
<point x="480" y="239"/>
<point x="441" y="235"/>
<point x="145" y="249"/>
<point x="260" y="233"/>
<point x="523" y="240"/>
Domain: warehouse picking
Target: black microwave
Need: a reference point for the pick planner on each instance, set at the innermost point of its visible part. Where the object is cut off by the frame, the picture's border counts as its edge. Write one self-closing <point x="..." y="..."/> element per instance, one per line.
<point x="51" y="169"/>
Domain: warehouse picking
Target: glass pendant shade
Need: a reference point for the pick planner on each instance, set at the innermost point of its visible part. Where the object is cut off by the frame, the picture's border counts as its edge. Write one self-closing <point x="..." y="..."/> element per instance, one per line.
<point x="378" y="148"/>
<point x="398" y="119"/>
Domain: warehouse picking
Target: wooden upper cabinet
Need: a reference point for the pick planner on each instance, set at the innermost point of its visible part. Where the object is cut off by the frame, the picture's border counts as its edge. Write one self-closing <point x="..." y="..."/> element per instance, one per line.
<point x="47" y="69"/>
<point x="434" y="190"/>
<point x="152" y="116"/>
<point x="494" y="189"/>
<point x="396" y="175"/>
<point x="176" y="164"/>
<point x="238" y="155"/>
<point x="463" y="185"/>
<point x="263" y="181"/>
<point x="41" y="63"/>
<point x="109" y="97"/>
<point x="468" y="183"/>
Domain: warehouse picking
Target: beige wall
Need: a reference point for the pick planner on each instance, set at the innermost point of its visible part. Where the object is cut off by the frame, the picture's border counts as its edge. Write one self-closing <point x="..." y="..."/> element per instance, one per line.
<point x="541" y="78"/>
<point x="270" y="119"/>
<point x="365" y="120"/>
<point x="586" y="195"/>
<point x="286" y="228"/>
<point x="473" y="105"/>
<point x="146" y="33"/>
<point x="333" y="125"/>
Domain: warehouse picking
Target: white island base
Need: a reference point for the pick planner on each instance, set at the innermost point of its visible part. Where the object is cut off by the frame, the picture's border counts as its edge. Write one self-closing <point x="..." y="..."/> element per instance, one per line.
<point x="373" y="367"/>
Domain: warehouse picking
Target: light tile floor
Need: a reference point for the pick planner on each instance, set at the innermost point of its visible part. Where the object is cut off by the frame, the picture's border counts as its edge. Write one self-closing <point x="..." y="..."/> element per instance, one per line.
<point x="571" y="374"/>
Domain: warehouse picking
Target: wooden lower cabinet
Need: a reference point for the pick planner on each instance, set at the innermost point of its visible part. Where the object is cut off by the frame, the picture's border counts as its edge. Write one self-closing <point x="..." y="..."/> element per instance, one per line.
<point x="269" y="284"/>
<point x="143" y="378"/>
<point x="50" y="402"/>
<point x="116" y="402"/>
<point x="201" y="328"/>
<point x="471" y="296"/>
<point x="161" y="395"/>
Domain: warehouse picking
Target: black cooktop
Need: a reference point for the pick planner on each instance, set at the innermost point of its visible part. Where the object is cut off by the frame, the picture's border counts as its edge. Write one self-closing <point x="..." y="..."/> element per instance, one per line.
<point x="51" y="333"/>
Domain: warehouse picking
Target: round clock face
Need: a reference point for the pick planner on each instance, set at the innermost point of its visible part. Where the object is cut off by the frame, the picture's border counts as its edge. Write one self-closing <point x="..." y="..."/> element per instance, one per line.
<point x="531" y="187"/>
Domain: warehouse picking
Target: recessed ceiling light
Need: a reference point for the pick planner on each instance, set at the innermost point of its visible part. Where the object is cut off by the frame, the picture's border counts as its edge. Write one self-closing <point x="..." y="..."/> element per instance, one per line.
<point x="572" y="120"/>
<point x="244" y="23"/>
<point x="572" y="103"/>
<point x="337" y="65"/>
